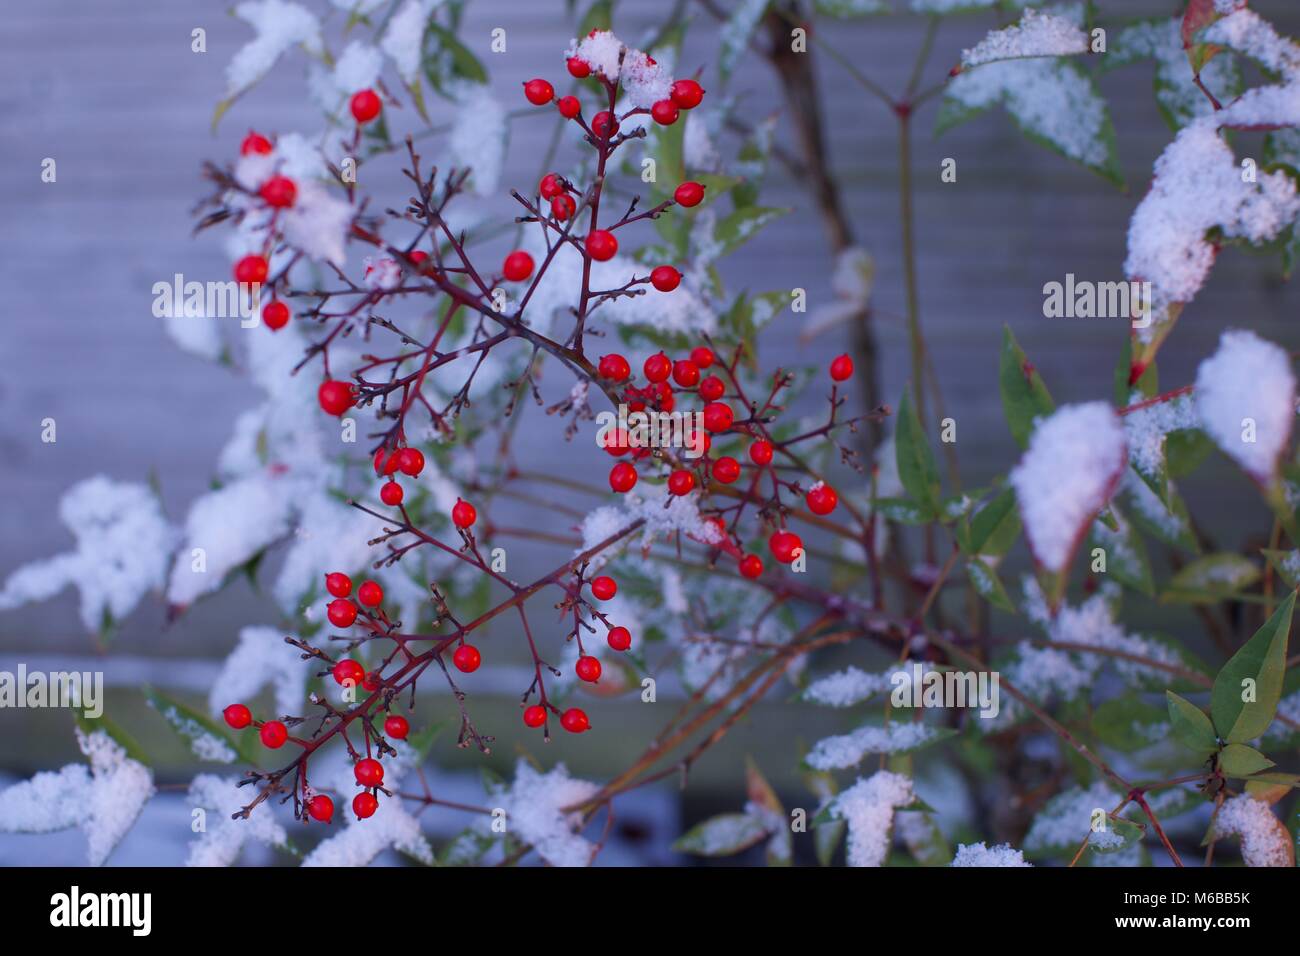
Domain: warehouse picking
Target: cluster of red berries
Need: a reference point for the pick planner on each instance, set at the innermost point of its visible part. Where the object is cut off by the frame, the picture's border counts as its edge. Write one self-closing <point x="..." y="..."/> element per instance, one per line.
<point x="408" y="461"/>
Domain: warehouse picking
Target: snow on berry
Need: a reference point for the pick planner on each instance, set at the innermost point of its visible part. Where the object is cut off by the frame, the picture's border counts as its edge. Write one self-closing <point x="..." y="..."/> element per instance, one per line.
<point x="868" y="807"/>
<point x="534" y="804"/>
<point x="1245" y="397"/>
<point x="1073" y="464"/>
<point x="977" y="854"/>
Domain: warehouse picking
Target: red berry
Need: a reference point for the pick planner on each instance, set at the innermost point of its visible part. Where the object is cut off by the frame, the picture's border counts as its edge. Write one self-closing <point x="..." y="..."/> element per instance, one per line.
<point x="365" y="106"/>
<point x="463" y="514"/>
<point x="321" y="808"/>
<point x="335" y="397"/>
<point x="273" y="734"/>
<point x="689" y="194"/>
<point x="372" y="682"/>
<point x="467" y="658"/>
<point x="550" y="186"/>
<point x="601" y="245"/>
<point x="338" y="584"/>
<point x="665" y="278"/>
<point x="614" y="367"/>
<point x="364" y="805"/>
<point x="622" y="477"/>
<point x="575" y="721"/>
<point x="604" y="124"/>
<point x="588" y="669"/>
<point x="369" y="772"/>
<point x="397" y="726"/>
<point x="686" y="373"/>
<point x="703" y="357"/>
<point x="342" y="612"/>
<point x="255" y="143"/>
<point x="279" y="192"/>
<point x="562" y="207"/>
<point x="251" y="269"/>
<point x="238" y="716"/>
<point x="391" y="494"/>
<point x="712" y="389"/>
<point x="615" y="442"/>
<point x="539" y="92"/>
<point x="687" y="94"/>
<point x="681" y="482"/>
<point x="664" y="112"/>
<point x="726" y="470"/>
<point x="663" y="393"/>
<point x="275" y="315"/>
<point x="718" y="416"/>
<point x="751" y="565"/>
<point x="417" y="256"/>
<point x="535" y="716"/>
<point x="348" y="672"/>
<point x="370" y="594"/>
<point x="658" y="367"/>
<point x="410" y="461"/>
<point x="785" y="546"/>
<point x="578" y="68"/>
<point x="619" y="638"/>
<point x="568" y="106"/>
<point x="518" y="266"/>
<point x="822" y="499"/>
<point x="604" y="587"/>
<point x="760" y="453"/>
<point x="842" y="368"/>
<point x="385" y="463"/>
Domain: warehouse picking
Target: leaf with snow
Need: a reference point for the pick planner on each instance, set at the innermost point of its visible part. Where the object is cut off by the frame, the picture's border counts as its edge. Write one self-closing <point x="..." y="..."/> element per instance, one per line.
<point x="1264" y="838"/>
<point x="1179" y="98"/>
<point x="737" y="32"/>
<point x="1036" y="35"/>
<point x="849" y="750"/>
<point x="206" y="740"/>
<point x="845" y="9"/>
<point x="1125" y="554"/>
<point x="868" y="808"/>
<point x="724" y="835"/>
<point x="852" y="686"/>
<point x="1067" y="818"/>
<point x="262" y="657"/>
<point x="361" y="841"/>
<point x="978" y="854"/>
<point x="534" y="803"/>
<point x="477" y="141"/>
<point x="225" y="838"/>
<point x="280" y="25"/>
<point x="1213" y="578"/>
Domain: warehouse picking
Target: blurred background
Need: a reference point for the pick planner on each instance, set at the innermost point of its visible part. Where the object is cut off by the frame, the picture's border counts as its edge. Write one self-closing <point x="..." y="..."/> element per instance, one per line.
<point x="113" y="92"/>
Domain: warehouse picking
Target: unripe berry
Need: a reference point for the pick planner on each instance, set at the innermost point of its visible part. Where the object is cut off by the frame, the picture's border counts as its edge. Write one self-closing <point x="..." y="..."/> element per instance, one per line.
<point x="365" y="106"/>
<point x="751" y="566"/>
<point x="588" y="669"/>
<point x="681" y="482"/>
<point x="687" y="94"/>
<point x="534" y="716"/>
<point x="467" y="658"/>
<point x="335" y="397"/>
<point x="391" y="494"/>
<point x="518" y="266"/>
<point x="238" y="716"/>
<point x="463" y="514"/>
<point x="686" y="373"/>
<point x="568" y="106"/>
<point x="397" y="726"/>
<point x="364" y="805"/>
<point x="550" y="186"/>
<point x="320" y="807"/>
<point x="578" y="68"/>
<point x="726" y="470"/>
<point x="601" y="245"/>
<point x="338" y="584"/>
<point x="273" y="734"/>
<point x="539" y="92"/>
<point x="785" y="546"/>
<point x="255" y="143"/>
<point x="574" y="720"/>
<point x="410" y="461"/>
<point x="604" y="587"/>
<point x="342" y="612"/>
<point x="276" y="315"/>
<point x="348" y="672"/>
<point x="619" y="638"/>
<point x="718" y="416"/>
<point x="279" y="192"/>
<point x="604" y="124"/>
<point x="614" y="367"/>
<point x="842" y="368"/>
<point x="251" y="269"/>
<point x="760" y="453"/>
<point x="658" y="367"/>
<point x="622" y="477"/>
<point x="822" y="499"/>
<point x="369" y="772"/>
<point x="562" y="207"/>
<point x="370" y="594"/>
<point x="702" y="356"/>
<point x="689" y="194"/>
<point x="665" y="278"/>
<point x="664" y="112"/>
<point x="712" y="389"/>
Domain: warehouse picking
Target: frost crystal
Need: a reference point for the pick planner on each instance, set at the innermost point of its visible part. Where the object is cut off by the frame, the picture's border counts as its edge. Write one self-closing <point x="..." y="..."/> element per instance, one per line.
<point x="1245" y="395"/>
<point x="868" y="806"/>
<point x="977" y="854"/>
<point x="1074" y="461"/>
<point x="534" y="805"/>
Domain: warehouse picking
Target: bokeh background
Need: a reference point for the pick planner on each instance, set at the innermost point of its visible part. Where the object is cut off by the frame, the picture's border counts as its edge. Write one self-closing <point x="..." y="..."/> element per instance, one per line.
<point x="112" y="91"/>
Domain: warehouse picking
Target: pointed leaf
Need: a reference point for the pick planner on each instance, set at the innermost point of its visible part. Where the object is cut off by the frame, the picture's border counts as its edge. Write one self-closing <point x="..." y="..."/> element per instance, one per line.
<point x="1024" y="396"/>
<point x="1261" y="661"/>
<point x="1191" y="727"/>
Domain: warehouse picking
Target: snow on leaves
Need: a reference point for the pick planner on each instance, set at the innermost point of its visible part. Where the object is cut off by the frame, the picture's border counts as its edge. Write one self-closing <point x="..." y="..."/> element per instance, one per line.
<point x="977" y="854"/>
<point x="868" y="807"/>
<point x="221" y="843"/>
<point x="1037" y="34"/>
<point x="535" y="813"/>
<point x="1264" y="839"/>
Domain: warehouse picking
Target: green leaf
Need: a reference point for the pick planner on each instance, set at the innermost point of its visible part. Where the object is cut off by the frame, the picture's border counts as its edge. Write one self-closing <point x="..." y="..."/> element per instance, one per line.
<point x="844" y="9"/>
<point x="742" y="225"/>
<point x="444" y="58"/>
<point x="1212" y="578"/>
<point x="1126" y="555"/>
<point x="723" y="835"/>
<point x="1024" y="396"/>
<point x="1286" y="564"/>
<point x="89" y="725"/>
<point x="737" y="31"/>
<point x="599" y="16"/>
<point x="466" y="848"/>
<point x="1239" y="760"/>
<point x="1260" y="667"/>
<point x="1191" y="727"/>
<point x="1125" y="723"/>
<point x="995" y="527"/>
<point x="1127" y="831"/>
<point x="987" y="584"/>
<point x="206" y="740"/>
<point x="916" y="465"/>
<point x="903" y="511"/>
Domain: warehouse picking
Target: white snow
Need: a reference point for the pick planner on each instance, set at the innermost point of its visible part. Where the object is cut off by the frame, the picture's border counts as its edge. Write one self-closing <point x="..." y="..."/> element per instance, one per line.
<point x="977" y="854"/>
<point x="848" y="750"/>
<point x="664" y="515"/>
<point x="404" y="37"/>
<point x="360" y="841"/>
<point x="260" y="658"/>
<point x="1264" y="840"/>
<point x="1245" y="396"/>
<point x="279" y="25"/>
<point x="1146" y="428"/>
<point x="1176" y="89"/>
<point x="868" y="806"/>
<point x="222" y="840"/>
<point x="478" y="136"/>
<point x="534" y="804"/>
<point x="1037" y="34"/>
<point x="1067" y="819"/>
